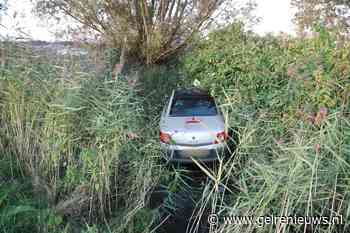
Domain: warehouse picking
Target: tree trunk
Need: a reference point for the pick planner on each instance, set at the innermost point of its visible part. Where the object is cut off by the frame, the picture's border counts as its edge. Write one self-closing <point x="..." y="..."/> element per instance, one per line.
<point x="118" y="68"/>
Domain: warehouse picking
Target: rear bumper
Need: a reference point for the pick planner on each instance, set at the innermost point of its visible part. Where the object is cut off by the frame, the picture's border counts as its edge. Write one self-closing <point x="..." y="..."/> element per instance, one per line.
<point x="184" y="154"/>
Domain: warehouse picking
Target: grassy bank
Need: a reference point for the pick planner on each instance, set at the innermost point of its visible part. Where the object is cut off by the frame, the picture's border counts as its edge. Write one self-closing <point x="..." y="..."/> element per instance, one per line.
<point x="68" y="140"/>
<point x="289" y="99"/>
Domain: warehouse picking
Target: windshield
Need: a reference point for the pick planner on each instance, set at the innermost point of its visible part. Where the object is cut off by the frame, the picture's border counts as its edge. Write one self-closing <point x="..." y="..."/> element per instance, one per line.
<point x="193" y="106"/>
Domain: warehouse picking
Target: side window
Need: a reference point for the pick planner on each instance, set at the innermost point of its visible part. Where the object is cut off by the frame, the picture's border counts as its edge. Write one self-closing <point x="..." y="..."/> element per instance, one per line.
<point x="219" y="108"/>
<point x="165" y="106"/>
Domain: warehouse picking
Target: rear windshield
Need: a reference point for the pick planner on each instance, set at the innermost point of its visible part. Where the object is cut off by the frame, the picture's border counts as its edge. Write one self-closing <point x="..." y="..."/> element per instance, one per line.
<point x="193" y="106"/>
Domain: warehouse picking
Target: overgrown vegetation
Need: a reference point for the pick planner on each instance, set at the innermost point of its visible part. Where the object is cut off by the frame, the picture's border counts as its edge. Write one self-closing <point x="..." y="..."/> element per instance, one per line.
<point x="289" y="99"/>
<point x="80" y="151"/>
<point x="71" y="140"/>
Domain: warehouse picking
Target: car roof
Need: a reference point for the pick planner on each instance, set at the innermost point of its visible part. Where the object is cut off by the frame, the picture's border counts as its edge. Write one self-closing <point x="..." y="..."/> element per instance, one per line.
<point x="191" y="92"/>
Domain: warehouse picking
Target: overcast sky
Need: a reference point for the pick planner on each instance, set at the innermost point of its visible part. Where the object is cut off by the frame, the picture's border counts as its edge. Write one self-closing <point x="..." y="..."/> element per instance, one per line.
<point x="276" y="17"/>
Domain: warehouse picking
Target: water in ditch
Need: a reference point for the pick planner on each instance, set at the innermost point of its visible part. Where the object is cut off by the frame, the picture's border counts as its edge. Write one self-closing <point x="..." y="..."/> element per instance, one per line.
<point x="183" y="210"/>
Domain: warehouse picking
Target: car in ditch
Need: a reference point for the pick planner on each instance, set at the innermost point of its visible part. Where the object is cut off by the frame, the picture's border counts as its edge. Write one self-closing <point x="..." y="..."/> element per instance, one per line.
<point x="192" y="127"/>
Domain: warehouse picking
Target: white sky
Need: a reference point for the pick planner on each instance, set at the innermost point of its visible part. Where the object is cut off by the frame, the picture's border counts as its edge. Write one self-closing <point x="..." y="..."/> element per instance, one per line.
<point x="276" y="17"/>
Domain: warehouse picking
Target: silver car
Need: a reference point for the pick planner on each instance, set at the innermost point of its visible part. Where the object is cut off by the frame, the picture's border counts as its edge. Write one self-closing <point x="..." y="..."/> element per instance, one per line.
<point x="192" y="127"/>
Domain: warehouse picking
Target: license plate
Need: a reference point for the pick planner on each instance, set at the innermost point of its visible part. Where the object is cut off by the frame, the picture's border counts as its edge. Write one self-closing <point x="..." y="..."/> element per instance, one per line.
<point x="196" y="153"/>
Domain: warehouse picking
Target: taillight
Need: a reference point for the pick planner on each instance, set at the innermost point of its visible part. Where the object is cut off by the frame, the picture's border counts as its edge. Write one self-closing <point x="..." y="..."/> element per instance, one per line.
<point x="164" y="137"/>
<point x="221" y="137"/>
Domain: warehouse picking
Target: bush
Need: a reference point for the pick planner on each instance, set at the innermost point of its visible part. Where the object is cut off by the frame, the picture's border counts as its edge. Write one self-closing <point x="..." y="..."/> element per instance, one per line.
<point x="273" y="74"/>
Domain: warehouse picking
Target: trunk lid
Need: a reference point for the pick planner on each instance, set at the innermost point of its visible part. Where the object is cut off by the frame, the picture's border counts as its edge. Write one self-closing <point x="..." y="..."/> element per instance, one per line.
<point x="193" y="131"/>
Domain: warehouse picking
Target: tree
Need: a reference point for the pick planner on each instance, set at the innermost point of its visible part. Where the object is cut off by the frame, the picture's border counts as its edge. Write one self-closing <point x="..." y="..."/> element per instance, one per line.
<point x="149" y="29"/>
<point x="330" y="13"/>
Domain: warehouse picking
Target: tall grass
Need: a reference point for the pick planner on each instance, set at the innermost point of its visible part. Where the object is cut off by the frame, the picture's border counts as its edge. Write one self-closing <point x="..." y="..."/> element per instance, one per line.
<point x="82" y="149"/>
<point x="72" y="135"/>
<point x="289" y="101"/>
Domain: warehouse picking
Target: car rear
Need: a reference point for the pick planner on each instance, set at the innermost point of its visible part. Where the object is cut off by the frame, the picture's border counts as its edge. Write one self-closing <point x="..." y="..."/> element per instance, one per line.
<point x="192" y="126"/>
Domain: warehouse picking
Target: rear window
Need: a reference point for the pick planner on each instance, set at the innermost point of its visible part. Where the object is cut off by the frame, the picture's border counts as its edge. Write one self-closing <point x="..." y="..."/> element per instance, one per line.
<point x="193" y="106"/>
